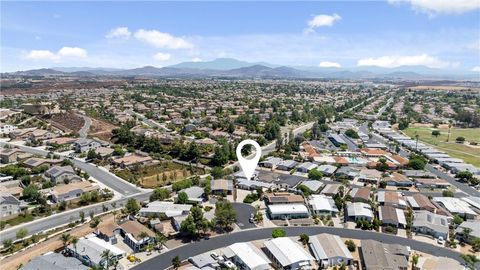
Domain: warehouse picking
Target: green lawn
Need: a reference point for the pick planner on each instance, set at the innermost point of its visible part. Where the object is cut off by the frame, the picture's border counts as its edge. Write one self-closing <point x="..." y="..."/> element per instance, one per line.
<point x="469" y="153"/>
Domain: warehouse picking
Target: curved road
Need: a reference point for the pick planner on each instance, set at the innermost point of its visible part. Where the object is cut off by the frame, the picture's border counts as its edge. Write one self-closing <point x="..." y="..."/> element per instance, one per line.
<point x="86" y="126"/>
<point x="164" y="260"/>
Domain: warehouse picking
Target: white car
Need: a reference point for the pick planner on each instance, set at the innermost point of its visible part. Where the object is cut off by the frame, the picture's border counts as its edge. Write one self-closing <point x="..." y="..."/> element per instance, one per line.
<point x="441" y="241"/>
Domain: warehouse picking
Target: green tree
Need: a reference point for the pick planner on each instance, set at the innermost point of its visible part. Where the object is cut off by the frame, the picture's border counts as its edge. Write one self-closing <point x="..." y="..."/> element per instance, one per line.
<point x="447" y="193"/>
<point x="460" y="139"/>
<point x="225" y="215"/>
<point x="457" y="219"/>
<point x="304" y="238"/>
<point x="8" y="245"/>
<point x="91" y="154"/>
<point x="415" y="260"/>
<point x="436" y="133"/>
<point x="132" y="207"/>
<point x="176" y="262"/>
<point x="159" y="194"/>
<point x="352" y="133"/>
<point x="182" y="198"/>
<point x="106" y="256"/>
<point x="21" y="233"/>
<point x="278" y="233"/>
<point x="403" y="123"/>
<point x="65" y="238"/>
<point x="315" y="174"/>
<point x="351" y="245"/>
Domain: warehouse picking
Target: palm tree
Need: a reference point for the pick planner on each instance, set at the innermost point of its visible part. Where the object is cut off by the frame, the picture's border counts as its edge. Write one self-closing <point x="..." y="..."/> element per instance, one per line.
<point x="466" y="234"/>
<point x="65" y="238"/>
<point x="74" y="242"/>
<point x="449" y="127"/>
<point x="106" y="255"/>
<point x="160" y="239"/>
<point x="414" y="260"/>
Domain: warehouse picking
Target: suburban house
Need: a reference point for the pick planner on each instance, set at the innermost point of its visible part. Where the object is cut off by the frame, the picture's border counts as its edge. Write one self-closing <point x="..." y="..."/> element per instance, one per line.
<point x="283" y="198"/>
<point x="195" y="194"/>
<point x="370" y="176"/>
<point x="253" y="184"/>
<point x="313" y="185"/>
<point x="83" y="145"/>
<point x="287" y="211"/>
<point x="322" y="205"/>
<point x="361" y="194"/>
<point x="6" y="128"/>
<point x="221" y="186"/>
<point x="419" y="201"/>
<point x="377" y="255"/>
<point x="169" y="209"/>
<point x="306" y="167"/>
<point x="456" y="206"/>
<point x="329" y="250"/>
<point x="54" y="261"/>
<point x="247" y="256"/>
<point x="89" y="250"/>
<point x="391" y="198"/>
<point x="135" y="235"/>
<point x="431" y="183"/>
<point x="62" y="175"/>
<point x="347" y="172"/>
<point x="270" y="162"/>
<point x="37" y="162"/>
<point x="399" y="180"/>
<point x="359" y="211"/>
<point x="71" y="191"/>
<point x="425" y="222"/>
<point x="327" y="170"/>
<point x="330" y="189"/>
<point x="287" y="254"/>
<point x="471" y="225"/>
<point x="392" y="216"/>
<point x="137" y="158"/>
<point x="9" y="155"/>
<point x="10" y="206"/>
<point x="287" y="165"/>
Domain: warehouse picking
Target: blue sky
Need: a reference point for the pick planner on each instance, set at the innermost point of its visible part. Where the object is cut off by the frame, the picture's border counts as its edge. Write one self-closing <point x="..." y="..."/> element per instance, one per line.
<point x="436" y="33"/>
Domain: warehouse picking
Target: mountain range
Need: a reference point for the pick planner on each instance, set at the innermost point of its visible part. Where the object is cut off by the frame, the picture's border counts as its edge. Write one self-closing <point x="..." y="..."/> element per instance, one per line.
<point x="233" y="68"/>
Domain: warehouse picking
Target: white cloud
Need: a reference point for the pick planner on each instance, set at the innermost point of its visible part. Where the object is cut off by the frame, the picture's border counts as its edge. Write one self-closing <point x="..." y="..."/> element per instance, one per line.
<point x="119" y="32"/>
<point x="72" y="52"/>
<point x="162" y="40"/>
<point x="327" y="64"/>
<point x="433" y="7"/>
<point x="65" y="52"/>
<point x="476" y="69"/>
<point x="397" y="61"/>
<point x="196" y="59"/>
<point x="162" y="56"/>
<point x="322" y="20"/>
<point x="42" y="55"/>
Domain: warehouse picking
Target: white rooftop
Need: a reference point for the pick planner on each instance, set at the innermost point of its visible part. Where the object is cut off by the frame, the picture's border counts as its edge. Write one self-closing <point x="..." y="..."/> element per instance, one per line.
<point x="250" y="255"/>
<point x="287" y="252"/>
<point x="290" y="208"/>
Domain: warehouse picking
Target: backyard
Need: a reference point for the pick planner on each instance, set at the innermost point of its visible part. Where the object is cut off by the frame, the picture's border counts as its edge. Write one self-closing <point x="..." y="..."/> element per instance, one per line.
<point x="466" y="151"/>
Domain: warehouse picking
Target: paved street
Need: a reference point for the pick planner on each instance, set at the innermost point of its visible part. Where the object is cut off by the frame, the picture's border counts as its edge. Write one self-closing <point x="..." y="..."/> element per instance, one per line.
<point x="461" y="186"/>
<point x="84" y="130"/>
<point x="103" y="176"/>
<point x="48" y="223"/>
<point x="163" y="261"/>
<point x="243" y="215"/>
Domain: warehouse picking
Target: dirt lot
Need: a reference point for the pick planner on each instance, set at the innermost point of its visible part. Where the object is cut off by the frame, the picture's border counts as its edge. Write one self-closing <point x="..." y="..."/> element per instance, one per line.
<point x="69" y="121"/>
<point x="159" y="175"/>
<point x="101" y="129"/>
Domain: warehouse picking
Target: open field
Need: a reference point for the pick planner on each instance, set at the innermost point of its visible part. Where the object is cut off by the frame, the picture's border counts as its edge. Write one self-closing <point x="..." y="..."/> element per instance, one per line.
<point x="101" y="129"/>
<point x="159" y="175"/>
<point x="67" y="120"/>
<point x="469" y="153"/>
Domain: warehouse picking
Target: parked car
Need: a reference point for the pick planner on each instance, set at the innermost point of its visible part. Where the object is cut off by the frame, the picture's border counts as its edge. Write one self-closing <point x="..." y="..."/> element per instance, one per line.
<point x="441" y="241"/>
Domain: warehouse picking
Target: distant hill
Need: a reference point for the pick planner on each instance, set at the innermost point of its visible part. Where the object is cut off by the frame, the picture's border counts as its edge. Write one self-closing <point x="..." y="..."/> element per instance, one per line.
<point x="219" y="64"/>
<point x="229" y="67"/>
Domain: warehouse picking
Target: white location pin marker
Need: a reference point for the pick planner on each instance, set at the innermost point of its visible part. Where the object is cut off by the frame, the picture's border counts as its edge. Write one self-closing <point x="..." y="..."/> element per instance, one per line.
<point x="248" y="165"/>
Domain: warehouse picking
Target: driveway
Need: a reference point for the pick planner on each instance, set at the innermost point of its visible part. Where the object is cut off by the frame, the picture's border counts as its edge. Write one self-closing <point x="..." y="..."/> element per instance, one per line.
<point x="243" y="215"/>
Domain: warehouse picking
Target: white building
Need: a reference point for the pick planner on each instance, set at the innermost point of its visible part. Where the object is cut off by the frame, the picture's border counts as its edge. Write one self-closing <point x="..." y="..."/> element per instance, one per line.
<point x="322" y="205"/>
<point x="359" y="211"/>
<point x="456" y="206"/>
<point x="246" y="256"/>
<point x="287" y="254"/>
<point x="6" y="128"/>
<point x="287" y="211"/>
<point x="168" y="209"/>
<point x="329" y="250"/>
<point x="429" y="223"/>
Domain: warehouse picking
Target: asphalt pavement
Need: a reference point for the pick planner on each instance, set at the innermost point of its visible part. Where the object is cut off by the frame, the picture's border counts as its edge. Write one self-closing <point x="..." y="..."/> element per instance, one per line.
<point x="163" y="261"/>
<point x="243" y="215"/>
<point x="86" y="126"/>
